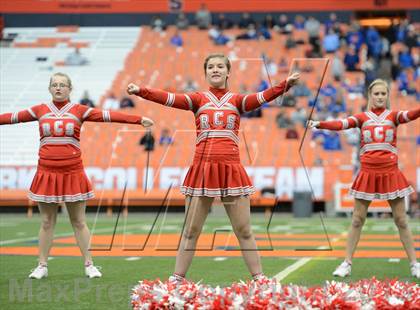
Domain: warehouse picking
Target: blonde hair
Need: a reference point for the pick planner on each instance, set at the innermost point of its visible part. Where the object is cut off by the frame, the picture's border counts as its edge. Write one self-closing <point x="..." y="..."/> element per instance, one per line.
<point x="62" y="75"/>
<point x="374" y="83"/>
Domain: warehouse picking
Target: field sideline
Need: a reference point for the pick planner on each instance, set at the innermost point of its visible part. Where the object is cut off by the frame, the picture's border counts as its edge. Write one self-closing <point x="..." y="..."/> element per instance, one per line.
<point x="68" y="289"/>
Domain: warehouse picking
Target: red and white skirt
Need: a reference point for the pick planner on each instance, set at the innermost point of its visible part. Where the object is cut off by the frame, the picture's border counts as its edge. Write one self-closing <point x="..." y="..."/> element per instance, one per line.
<point x="382" y="181"/>
<point x="217" y="176"/>
<point x="58" y="181"/>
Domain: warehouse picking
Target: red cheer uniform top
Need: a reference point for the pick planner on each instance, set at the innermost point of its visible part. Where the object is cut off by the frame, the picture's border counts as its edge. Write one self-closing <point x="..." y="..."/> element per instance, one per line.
<point x="59" y="126"/>
<point x="378" y="128"/>
<point x="217" y="113"/>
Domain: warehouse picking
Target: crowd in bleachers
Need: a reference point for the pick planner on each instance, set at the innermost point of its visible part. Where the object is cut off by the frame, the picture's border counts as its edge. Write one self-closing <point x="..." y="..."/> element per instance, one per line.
<point x="390" y="54"/>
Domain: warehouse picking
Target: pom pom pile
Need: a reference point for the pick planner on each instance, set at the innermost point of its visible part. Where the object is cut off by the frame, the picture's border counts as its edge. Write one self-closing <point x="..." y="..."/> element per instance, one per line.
<point x="270" y="294"/>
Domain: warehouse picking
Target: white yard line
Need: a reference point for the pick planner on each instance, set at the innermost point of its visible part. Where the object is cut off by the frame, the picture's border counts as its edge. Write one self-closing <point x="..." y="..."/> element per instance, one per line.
<point x="299" y="263"/>
<point x="68" y="234"/>
<point x="295" y="266"/>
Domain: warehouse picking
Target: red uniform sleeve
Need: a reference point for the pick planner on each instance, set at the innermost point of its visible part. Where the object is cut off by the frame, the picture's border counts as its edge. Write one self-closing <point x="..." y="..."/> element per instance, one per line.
<point x="251" y="102"/>
<point x="24" y="116"/>
<point x="407" y="116"/>
<point x="341" y="124"/>
<point x="97" y="115"/>
<point x="188" y="101"/>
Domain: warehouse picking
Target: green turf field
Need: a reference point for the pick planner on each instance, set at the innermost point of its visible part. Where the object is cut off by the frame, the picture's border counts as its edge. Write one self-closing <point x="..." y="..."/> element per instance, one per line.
<point x="67" y="288"/>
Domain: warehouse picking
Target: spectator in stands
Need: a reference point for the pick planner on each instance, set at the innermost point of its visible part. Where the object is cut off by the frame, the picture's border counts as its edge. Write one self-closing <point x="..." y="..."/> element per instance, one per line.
<point x="214" y="32"/>
<point x="282" y="120"/>
<point x="288" y="100"/>
<point x="334" y="106"/>
<point x="299" y="22"/>
<point x="369" y="68"/>
<point x="332" y="24"/>
<point x="354" y="90"/>
<point x="250" y="34"/>
<point x="165" y="137"/>
<point x="246" y="20"/>
<point x="405" y="59"/>
<point x="385" y="68"/>
<point x="331" y="42"/>
<point x="374" y="42"/>
<point x="60" y="177"/>
<point x="111" y="102"/>
<point x="176" y="39"/>
<point x="290" y="41"/>
<point x="222" y="39"/>
<point x="203" y="17"/>
<point x="263" y="32"/>
<point x="218" y="37"/>
<point x="351" y="59"/>
<point x="291" y="133"/>
<point x="127" y="103"/>
<point x="283" y="26"/>
<point x="86" y="100"/>
<point x="406" y="82"/>
<point x="76" y="58"/>
<point x="157" y="24"/>
<point x="148" y="141"/>
<point x="189" y="86"/>
<point x="313" y="27"/>
<point x="182" y="22"/>
<point x="223" y="22"/>
<point x="401" y="30"/>
<point x="283" y="66"/>
<point x="337" y="68"/>
<point x="328" y="90"/>
<point x="395" y="65"/>
<point x="299" y="117"/>
<point x="412" y="38"/>
<point x="355" y="36"/>
<point x="269" y="22"/>
<point x="314" y="51"/>
<point x="330" y="140"/>
<point x="268" y="67"/>
<point x="301" y="90"/>
<point x="262" y="85"/>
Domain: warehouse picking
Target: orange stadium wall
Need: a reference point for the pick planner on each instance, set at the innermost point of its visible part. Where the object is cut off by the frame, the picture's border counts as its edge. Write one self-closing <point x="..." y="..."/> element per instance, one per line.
<point x="166" y="6"/>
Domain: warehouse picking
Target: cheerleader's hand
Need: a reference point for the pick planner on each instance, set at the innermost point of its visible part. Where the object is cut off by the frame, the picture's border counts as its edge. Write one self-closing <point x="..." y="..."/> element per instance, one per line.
<point x="146" y="122"/>
<point x="133" y="89"/>
<point x="293" y="79"/>
<point x="313" y="124"/>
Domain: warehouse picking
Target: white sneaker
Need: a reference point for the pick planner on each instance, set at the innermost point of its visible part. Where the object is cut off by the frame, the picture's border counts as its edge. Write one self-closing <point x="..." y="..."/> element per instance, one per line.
<point x="415" y="270"/>
<point x="343" y="270"/>
<point x="92" y="271"/>
<point x="176" y="279"/>
<point x="260" y="278"/>
<point x="41" y="271"/>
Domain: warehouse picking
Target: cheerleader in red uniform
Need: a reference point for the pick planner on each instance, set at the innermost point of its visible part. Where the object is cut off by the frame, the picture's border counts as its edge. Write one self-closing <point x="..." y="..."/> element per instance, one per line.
<point x="379" y="176"/>
<point x="216" y="170"/>
<point x="60" y="177"/>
